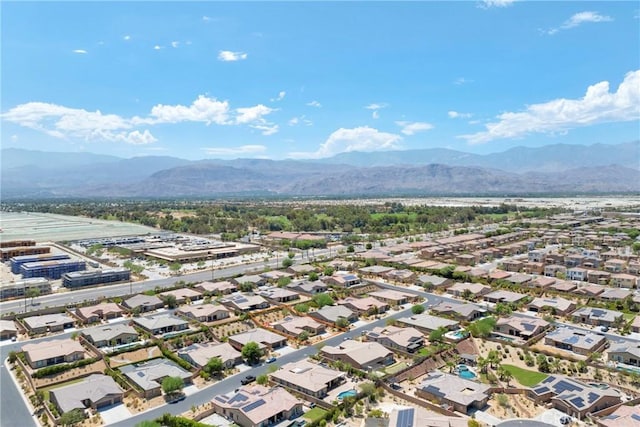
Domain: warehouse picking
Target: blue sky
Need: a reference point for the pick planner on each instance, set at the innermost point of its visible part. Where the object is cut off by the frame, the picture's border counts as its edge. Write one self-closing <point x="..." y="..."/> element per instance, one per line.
<point x="313" y="79"/>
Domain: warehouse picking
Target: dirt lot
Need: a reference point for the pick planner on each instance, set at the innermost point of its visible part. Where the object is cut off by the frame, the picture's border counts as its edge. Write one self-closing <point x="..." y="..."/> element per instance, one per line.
<point x="135" y="356"/>
<point x="233" y="328"/>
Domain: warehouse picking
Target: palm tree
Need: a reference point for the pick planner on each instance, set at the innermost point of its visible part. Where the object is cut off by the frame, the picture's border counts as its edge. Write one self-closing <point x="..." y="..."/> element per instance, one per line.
<point x="483" y="363"/>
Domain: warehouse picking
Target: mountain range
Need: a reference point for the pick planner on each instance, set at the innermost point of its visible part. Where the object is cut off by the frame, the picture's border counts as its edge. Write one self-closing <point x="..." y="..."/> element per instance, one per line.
<point x="552" y="169"/>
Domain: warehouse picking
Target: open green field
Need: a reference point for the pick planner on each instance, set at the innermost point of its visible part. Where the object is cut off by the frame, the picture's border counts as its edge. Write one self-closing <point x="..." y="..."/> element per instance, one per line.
<point x="524" y="376"/>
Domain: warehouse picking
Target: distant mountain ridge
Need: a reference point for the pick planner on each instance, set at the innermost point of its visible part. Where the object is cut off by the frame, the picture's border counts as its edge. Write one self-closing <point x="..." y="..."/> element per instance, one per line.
<point x="559" y="168"/>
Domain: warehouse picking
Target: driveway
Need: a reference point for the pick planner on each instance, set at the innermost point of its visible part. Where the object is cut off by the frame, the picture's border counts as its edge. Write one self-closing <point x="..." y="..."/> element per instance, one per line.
<point x="114" y="413"/>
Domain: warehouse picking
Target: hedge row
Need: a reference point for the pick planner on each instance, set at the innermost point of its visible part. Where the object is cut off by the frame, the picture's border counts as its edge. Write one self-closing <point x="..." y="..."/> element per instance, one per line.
<point x="56" y="369"/>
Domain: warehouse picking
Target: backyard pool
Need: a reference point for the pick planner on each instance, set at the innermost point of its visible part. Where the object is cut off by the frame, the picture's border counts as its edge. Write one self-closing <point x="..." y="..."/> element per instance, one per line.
<point x="346" y="393"/>
<point x="464" y="372"/>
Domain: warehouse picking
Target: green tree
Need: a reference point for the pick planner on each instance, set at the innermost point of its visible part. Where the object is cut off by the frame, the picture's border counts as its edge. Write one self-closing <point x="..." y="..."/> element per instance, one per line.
<point x="172" y="385"/>
<point x="302" y="307"/>
<point x="437" y="334"/>
<point x="350" y="249"/>
<point x="175" y="267"/>
<point x="251" y="352"/>
<point x="473" y="423"/>
<point x="313" y="276"/>
<point x="284" y="281"/>
<point x="287" y="262"/>
<point x="262" y="379"/>
<point x="170" y="300"/>
<point x="328" y="271"/>
<point x="304" y="335"/>
<point x="322" y="299"/>
<point x="342" y="322"/>
<point x="214" y="366"/>
<point x="417" y="309"/>
<point x="72" y="417"/>
<point x="32" y="293"/>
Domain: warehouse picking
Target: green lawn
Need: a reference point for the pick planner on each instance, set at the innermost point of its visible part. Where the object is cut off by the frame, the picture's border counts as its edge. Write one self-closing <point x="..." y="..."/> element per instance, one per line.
<point x="524" y="376"/>
<point x="395" y="368"/>
<point x="629" y="316"/>
<point x="315" y="414"/>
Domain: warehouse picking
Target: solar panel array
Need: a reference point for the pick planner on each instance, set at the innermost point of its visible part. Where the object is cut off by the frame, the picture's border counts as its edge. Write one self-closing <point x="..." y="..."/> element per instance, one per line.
<point x="253" y="405"/>
<point x="562" y="386"/>
<point x="405" y="417"/>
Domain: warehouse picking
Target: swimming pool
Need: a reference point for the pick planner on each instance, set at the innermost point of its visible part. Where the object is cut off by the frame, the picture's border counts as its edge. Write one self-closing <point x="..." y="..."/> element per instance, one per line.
<point x="347" y="393"/>
<point x="464" y="372"/>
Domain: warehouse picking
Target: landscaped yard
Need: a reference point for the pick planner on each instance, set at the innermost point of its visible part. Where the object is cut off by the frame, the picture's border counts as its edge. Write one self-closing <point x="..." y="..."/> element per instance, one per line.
<point x="524" y="376"/>
<point x="315" y="414"/>
<point x="395" y="368"/>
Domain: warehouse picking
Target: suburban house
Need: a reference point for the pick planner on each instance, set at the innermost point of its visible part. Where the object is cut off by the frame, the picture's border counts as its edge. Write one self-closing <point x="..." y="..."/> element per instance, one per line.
<point x="405" y="339"/>
<point x="297" y="325"/>
<point x="160" y="324"/>
<point x="558" y="306"/>
<point x="598" y="277"/>
<point x="563" y="286"/>
<point x="573" y="397"/>
<point x="199" y="354"/>
<point x="95" y="391"/>
<point x="393" y="297"/>
<point x="265" y="339"/>
<point x="458" y="393"/>
<point x="56" y="322"/>
<point x="635" y="325"/>
<point x="361" y="355"/>
<point x="624" y="416"/>
<point x="110" y="335"/>
<point x="542" y="282"/>
<point x="575" y="340"/>
<point x="427" y="323"/>
<point x="217" y="288"/>
<point x="309" y="378"/>
<point x="596" y="316"/>
<point x="8" y="329"/>
<point x="252" y="279"/>
<point x="462" y="311"/>
<point x="258" y="406"/>
<point x="331" y="314"/>
<point x="521" y="327"/>
<point x="366" y="305"/>
<point x="502" y="296"/>
<point x="96" y="313"/>
<point x="308" y="288"/>
<point x="615" y="265"/>
<point x="342" y="280"/>
<point x="624" y="280"/>
<point x="148" y="375"/>
<point x="204" y="312"/>
<point x="590" y="290"/>
<point x="240" y="302"/>
<point x="301" y="269"/>
<point x="553" y="270"/>
<point x="577" y="273"/>
<point x="279" y="295"/>
<point x="627" y="352"/>
<point x="53" y="352"/>
<point x="401" y="276"/>
<point x="433" y="281"/>
<point x="463" y="289"/>
<point x="143" y="303"/>
<point x="615" y="294"/>
<point x="182" y="295"/>
<point x="374" y="270"/>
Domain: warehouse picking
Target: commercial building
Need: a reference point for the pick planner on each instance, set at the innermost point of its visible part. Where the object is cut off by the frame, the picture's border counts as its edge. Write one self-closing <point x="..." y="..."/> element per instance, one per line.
<point x="14" y="243"/>
<point x="79" y="279"/>
<point x="17" y="262"/>
<point x="20" y="288"/>
<point x="14" y="251"/>
<point x="51" y="269"/>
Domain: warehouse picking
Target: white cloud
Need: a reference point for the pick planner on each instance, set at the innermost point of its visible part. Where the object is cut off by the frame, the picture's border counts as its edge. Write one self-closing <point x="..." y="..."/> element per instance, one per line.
<point x="598" y="105"/>
<point x="252" y="114"/>
<point x="63" y="122"/>
<point x="486" y="4"/>
<point x="266" y="128"/>
<point x="376" y="106"/>
<point x="80" y="51"/>
<point x="157" y="47"/>
<point x="14" y="138"/>
<point x="206" y="18"/>
<point x="314" y="103"/>
<point x="229" y="56"/>
<point x="175" y="44"/>
<point x="361" y="138"/>
<point x="375" y="114"/>
<point x="280" y="96"/>
<point x="411" y="128"/>
<point x="458" y="115"/>
<point x="126" y="38"/>
<point x="231" y="151"/>
<point x="580" y="18"/>
<point x="461" y="81"/>
<point x="294" y="121"/>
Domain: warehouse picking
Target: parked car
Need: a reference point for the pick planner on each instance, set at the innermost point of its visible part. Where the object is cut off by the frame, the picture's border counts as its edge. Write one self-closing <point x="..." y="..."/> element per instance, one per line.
<point x="247" y="380"/>
<point x="271" y="360"/>
<point x="178" y="397"/>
